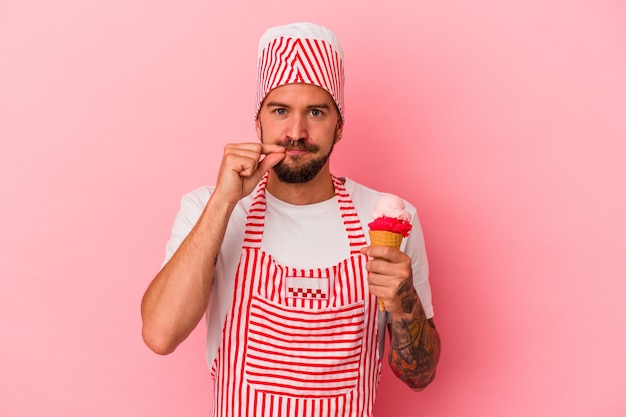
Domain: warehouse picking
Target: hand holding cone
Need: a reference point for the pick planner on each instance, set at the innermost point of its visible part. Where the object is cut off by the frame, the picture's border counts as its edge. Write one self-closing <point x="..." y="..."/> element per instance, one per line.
<point x="391" y="224"/>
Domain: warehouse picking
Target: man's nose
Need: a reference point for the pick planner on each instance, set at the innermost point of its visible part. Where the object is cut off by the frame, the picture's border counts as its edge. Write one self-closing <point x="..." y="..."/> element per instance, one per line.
<point x="297" y="128"/>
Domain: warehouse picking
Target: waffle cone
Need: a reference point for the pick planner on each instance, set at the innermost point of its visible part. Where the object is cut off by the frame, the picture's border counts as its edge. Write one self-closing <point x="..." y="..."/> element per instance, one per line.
<point x="384" y="238"/>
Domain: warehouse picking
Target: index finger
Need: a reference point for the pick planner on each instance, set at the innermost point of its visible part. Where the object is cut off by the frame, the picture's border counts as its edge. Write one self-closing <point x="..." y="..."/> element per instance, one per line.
<point x="388" y="253"/>
<point x="267" y="149"/>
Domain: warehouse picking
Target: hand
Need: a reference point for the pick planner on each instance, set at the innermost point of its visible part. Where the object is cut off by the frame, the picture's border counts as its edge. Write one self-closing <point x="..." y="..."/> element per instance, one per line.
<point x="243" y="165"/>
<point x="391" y="278"/>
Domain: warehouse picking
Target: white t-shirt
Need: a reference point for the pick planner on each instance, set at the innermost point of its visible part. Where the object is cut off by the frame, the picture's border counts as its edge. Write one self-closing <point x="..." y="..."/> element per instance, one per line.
<point x="305" y="236"/>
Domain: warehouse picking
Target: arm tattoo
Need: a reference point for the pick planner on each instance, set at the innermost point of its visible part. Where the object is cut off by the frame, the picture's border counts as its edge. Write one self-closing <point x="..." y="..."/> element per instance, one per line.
<point x="407" y="297"/>
<point x="415" y="344"/>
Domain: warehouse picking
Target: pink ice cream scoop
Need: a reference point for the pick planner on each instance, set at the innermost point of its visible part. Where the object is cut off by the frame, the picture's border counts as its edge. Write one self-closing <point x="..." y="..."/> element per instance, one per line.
<point x="390" y="215"/>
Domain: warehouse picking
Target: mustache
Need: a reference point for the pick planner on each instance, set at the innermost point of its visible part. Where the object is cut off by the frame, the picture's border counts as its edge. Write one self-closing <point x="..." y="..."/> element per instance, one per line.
<point x="299" y="144"/>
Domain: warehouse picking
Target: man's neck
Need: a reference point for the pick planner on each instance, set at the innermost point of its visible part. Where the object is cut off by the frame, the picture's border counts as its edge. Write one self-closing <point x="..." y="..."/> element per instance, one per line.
<point x="319" y="189"/>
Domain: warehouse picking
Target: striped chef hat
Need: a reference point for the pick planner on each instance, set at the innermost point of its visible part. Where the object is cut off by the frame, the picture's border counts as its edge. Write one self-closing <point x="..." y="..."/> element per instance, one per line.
<point x="300" y="53"/>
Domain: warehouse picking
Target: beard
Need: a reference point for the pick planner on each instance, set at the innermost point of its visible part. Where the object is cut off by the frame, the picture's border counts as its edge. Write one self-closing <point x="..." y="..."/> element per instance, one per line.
<point x="296" y="171"/>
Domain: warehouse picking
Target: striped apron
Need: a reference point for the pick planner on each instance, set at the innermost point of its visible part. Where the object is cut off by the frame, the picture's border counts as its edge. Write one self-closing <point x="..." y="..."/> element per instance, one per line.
<point x="298" y="342"/>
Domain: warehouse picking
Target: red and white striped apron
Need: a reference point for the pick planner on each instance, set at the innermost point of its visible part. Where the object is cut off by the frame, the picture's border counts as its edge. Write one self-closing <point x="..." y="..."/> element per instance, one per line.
<point x="298" y="342"/>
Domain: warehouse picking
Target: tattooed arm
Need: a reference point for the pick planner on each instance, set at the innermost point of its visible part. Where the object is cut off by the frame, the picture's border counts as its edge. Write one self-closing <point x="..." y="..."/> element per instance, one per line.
<point x="415" y="343"/>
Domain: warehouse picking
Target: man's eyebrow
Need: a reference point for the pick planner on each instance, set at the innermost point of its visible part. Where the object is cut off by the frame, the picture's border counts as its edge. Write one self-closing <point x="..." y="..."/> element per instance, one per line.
<point x="319" y="106"/>
<point x="312" y="106"/>
<point x="276" y="104"/>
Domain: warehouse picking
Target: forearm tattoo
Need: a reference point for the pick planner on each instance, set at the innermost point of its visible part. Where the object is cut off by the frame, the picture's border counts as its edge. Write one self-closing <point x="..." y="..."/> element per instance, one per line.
<point x="407" y="296"/>
<point x="415" y="344"/>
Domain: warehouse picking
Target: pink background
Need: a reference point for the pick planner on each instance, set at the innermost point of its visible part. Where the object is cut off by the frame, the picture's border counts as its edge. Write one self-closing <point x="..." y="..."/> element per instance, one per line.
<point x="503" y="122"/>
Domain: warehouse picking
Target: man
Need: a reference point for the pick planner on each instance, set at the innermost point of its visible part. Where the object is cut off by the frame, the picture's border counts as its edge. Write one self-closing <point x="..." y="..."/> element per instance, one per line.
<point x="276" y="255"/>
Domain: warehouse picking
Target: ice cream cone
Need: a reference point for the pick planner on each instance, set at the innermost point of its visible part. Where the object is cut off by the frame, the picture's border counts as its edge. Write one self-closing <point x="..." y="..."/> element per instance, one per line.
<point x="391" y="223"/>
<point x="385" y="238"/>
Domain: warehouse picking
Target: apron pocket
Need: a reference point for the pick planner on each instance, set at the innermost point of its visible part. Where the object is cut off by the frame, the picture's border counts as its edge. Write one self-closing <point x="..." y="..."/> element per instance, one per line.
<point x="303" y="353"/>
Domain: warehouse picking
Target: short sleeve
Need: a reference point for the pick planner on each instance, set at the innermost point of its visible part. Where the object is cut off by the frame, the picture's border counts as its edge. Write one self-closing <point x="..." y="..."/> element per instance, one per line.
<point x="191" y="206"/>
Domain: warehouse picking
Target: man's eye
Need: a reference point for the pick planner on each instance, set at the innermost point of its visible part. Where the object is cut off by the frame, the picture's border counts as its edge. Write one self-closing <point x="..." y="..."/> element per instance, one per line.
<point x="281" y="112"/>
<point x="316" y="113"/>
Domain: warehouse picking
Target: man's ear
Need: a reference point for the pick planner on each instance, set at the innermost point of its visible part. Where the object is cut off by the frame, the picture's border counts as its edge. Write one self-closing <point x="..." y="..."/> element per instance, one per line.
<point x="339" y="131"/>
<point x="259" y="129"/>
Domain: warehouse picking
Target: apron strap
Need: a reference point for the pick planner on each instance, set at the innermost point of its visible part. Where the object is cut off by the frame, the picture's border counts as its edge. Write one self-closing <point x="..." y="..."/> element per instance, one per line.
<point x="256" y="216"/>
<point x="350" y="218"/>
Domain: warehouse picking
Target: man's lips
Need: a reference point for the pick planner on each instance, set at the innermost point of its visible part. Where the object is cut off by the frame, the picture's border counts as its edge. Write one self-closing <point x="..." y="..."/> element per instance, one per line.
<point x="298" y="148"/>
<point x="296" y="151"/>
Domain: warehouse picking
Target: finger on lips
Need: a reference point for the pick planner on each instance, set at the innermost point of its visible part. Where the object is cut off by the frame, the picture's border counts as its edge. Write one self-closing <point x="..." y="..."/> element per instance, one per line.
<point x="271" y="148"/>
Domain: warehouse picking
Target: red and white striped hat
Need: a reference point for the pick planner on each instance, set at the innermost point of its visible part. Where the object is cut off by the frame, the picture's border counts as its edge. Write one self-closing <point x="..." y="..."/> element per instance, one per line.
<point x="300" y="53"/>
